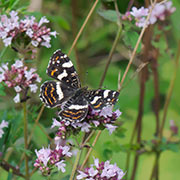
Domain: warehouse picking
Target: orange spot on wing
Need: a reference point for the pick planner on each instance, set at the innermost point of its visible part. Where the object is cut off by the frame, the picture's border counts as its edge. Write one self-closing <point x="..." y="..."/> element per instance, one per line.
<point x="52" y="73"/>
<point x="51" y="93"/>
<point x="113" y="100"/>
<point x="57" y="58"/>
<point x="97" y="105"/>
<point x="67" y="115"/>
<point x="73" y="113"/>
<point x="50" y="100"/>
<point x="45" y="92"/>
<point x="76" y="117"/>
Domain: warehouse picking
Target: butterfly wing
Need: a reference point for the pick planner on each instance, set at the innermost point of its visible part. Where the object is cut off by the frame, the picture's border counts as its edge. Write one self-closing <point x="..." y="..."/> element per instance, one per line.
<point x="101" y="98"/>
<point x="75" y="109"/>
<point x="55" y="93"/>
<point x="61" y="68"/>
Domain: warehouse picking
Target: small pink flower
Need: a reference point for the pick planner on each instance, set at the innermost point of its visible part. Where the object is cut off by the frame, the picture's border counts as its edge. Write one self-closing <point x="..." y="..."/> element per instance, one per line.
<point x="60" y="165"/>
<point x="17" y="98"/>
<point x="3" y="125"/>
<point x="103" y="170"/>
<point x="33" y="88"/>
<point x="110" y="128"/>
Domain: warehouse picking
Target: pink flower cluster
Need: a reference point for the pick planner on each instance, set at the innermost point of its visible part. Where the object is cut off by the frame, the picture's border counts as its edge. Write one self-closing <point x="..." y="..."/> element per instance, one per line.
<point x="3" y="125"/>
<point x="12" y="27"/>
<point x="101" y="171"/>
<point x="159" y="12"/>
<point x="47" y="158"/>
<point x="19" y="77"/>
<point x="94" y="120"/>
<point x="173" y="127"/>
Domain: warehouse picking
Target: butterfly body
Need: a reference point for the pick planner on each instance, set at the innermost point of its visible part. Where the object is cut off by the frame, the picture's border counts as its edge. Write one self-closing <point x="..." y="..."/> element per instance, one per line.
<point x="67" y="92"/>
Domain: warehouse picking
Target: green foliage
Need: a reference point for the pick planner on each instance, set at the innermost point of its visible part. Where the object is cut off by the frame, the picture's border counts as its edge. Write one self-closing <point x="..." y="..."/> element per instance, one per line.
<point x="130" y="38"/>
<point x="92" y="51"/>
<point x="110" y="15"/>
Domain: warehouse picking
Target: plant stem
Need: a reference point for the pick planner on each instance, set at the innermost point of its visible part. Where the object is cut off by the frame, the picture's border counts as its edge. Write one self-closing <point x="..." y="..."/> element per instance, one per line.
<point x="155" y="170"/>
<point x="25" y="140"/>
<point x="90" y="150"/>
<point x="83" y="26"/>
<point x="170" y="90"/>
<point x="36" y="122"/>
<point x="78" y="156"/>
<point x="137" y="44"/>
<point x="8" y="167"/>
<point x="118" y="35"/>
<point x="75" y="164"/>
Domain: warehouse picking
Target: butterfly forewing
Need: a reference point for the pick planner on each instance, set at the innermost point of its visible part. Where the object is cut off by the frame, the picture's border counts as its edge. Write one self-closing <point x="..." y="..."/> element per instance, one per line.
<point x="75" y="109"/>
<point x="55" y="93"/>
<point x="67" y="91"/>
<point x="61" y="68"/>
<point x="101" y="98"/>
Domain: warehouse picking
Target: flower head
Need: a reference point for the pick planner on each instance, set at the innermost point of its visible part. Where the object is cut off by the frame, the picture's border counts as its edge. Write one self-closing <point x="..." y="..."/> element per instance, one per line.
<point x="3" y="125"/>
<point x="27" y="29"/>
<point x="94" y="120"/>
<point x="103" y="170"/>
<point x="48" y="158"/>
<point x="159" y="12"/>
<point x="19" y="78"/>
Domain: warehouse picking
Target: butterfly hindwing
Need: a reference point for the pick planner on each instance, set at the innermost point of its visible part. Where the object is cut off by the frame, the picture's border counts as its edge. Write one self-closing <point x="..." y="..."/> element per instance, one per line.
<point x="67" y="91"/>
<point x="75" y="109"/>
<point x="55" y="93"/>
<point x="61" y="68"/>
<point x="101" y="98"/>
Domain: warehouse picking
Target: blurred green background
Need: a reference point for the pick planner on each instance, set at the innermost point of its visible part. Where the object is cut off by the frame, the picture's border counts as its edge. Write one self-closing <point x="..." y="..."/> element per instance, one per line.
<point x="66" y="17"/>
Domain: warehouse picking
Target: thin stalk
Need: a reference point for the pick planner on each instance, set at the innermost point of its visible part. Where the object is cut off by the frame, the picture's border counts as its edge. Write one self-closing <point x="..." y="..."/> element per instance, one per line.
<point x="129" y="153"/>
<point x="8" y="167"/>
<point x="78" y="156"/>
<point x="83" y="26"/>
<point x="88" y="138"/>
<point x="170" y="90"/>
<point x="156" y="92"/>
<point x="44" y="132"/>
<point x="118" y="35"/>
<point x="25" y="140"/>
<point x="32" y="132"/>
<point x="155" y="167"/>
<point x="90" y="150"/>
<point x="36" y="121"/>
<point x="137" y="44"/>
<point x="76" y="164"/>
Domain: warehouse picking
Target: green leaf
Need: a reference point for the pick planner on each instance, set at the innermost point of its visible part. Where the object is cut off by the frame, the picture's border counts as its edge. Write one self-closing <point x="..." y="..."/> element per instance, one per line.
<point x="2" y="93"/>
<point x="2" y="52"/>
<point x="130" y="39"/>
<point x="13" y="3"/>
<point x="120" y="132"/>
<point x="107" y="153"/>
<point x="110" y="15"/>
<point x="173" y="147"/>
<point x="10" y="176"/>
<point x="66" y="177"/>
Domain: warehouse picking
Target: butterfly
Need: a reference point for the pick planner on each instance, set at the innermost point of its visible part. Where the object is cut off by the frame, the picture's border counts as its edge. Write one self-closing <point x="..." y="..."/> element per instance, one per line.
<point x="67" y="92"/>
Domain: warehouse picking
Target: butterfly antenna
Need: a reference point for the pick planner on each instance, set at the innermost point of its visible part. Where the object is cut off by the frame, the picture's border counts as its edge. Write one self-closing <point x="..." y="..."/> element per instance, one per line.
<point x="86" y="77"/>
<point x="119" y="81"/>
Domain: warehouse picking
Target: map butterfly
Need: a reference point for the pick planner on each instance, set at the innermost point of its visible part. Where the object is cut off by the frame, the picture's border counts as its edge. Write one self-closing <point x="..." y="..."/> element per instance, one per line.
<point x="67" y="92"/>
